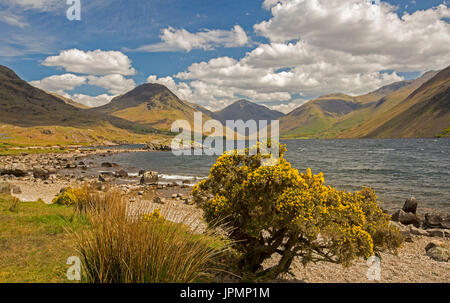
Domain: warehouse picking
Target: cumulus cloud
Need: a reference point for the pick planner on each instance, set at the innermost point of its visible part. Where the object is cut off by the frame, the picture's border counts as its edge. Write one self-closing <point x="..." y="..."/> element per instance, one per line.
<point x="288" y="107"/>
<point x="89" y="100"/>
<point x="59" y="83"/>
<point x="181" y="40"/>
<point x="115" y="84"/>
<point x="95" y="62"/>
<point x="182" y="90"/>
<point x="360" y="28"/>
<point x="318" y="47"/>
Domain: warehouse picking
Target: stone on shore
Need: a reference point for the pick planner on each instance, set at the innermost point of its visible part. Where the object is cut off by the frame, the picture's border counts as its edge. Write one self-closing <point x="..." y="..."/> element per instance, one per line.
<point x="436" y="220"/>
<point x="17" y="170"/>
<point x="121" y="174"/>
<point x="410" y="206"/>
<point x="439" y="254"/>
<point x="406" y="218"/>
<point x="150" y="178"/>
<point x="39" y="173"/>
<point x="159" y="200"/>
<point x="434" y="243"/>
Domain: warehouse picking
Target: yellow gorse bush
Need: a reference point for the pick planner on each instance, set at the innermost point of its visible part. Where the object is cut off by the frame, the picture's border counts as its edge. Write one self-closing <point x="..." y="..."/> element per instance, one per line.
<point x="155" y="215"/>
<point x="277" y="209"/>
<point x="67" y="196"/>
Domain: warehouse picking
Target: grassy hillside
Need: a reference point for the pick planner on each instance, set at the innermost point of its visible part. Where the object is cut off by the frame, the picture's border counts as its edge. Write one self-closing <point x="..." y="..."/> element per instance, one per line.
<point x="324" y="117"/>
<point x="30" y="116"/>
<point x="151" y="105"/>
<point x="384" y="109"/>
<point x="342" y="116"/>
<point x="425" y="113"/>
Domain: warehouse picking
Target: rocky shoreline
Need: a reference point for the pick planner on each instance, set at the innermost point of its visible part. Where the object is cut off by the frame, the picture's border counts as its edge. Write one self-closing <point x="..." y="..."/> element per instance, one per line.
<point x="43" y="176"/>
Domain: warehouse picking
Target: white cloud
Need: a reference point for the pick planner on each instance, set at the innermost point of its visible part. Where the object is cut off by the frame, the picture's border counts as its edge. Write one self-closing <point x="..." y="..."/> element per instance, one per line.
<point x="182" y="90"/>
<point x="39" y="5"/>
<point x="286" y="108"/>
<point x="319" y="47"/>
<point x="182" y="40"/>
<point x="91" y="101"/>
<point x="13" y="19"/>
<point x="359" y="28"/>
<point x="96" y="62"/>
<point x="59" y="83"/>
<point x="115" y="84"/>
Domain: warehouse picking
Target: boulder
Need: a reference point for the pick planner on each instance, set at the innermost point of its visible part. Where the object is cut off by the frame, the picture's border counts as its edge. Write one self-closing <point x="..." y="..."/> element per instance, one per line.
<point x="439" y="233"/>
<point x="121" y="174"/>
<point x="17" y="170"/>
<point x="150" y="178"/>
<point x="410" y="206"/>
<point x="437" y="220"/>
<point x="433" y="244"/>
<point x="103" y="178"/>
<point x="71" y="165"/>
<point x="439" y="254"/>
<point x="109" y="165"/>
<point x="39" y="173"/>
<point x="406" y="218"/>
<point x="418" y="231"/>
<point x="159" y="200"/>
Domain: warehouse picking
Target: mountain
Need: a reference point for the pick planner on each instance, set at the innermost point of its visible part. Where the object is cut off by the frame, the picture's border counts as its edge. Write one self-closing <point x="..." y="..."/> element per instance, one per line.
<point x="323" y="117"/>
<point x="245" y="110"/>
<point x="342" y="116"/>
<point x="424" y="113"/>
<point x="149" y="104"/>
<point x="30" y="116"/>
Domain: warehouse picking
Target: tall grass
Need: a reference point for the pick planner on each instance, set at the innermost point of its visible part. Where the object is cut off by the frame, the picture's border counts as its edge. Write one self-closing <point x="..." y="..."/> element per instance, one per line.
<point x="122" y="247"/>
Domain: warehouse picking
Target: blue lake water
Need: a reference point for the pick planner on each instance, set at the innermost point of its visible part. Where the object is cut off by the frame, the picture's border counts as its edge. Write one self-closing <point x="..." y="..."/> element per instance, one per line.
<point x="396" y="169"/>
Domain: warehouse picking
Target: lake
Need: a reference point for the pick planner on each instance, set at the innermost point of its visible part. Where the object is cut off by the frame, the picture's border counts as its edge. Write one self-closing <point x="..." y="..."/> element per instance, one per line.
<point x="395" y="168"/>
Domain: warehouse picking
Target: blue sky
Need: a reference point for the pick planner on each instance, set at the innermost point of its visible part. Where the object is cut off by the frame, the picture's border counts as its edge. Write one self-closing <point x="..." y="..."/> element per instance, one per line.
<point x="226" y="32"/>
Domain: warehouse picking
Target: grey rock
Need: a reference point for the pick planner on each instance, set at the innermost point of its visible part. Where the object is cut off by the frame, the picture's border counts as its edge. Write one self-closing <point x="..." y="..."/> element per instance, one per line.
<point x="159" y="200"/>
<point x="39" y="173"/>
<point x="121" y="174"/>
<point x="410" y="206"/>
<point x="103" y="178"/>
<point x="437" y="220"/>
<point x="406" y="218"/>
<point x="150" y="178"/>
<point x="439" y="233"/>
<point x="439" y="254"/>
<point x="434" y="243"/>
<point x="16" y="170"/>
<point x="418" y="231"/>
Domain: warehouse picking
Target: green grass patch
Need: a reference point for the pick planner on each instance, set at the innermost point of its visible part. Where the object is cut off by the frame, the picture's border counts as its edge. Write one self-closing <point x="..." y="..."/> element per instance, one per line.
<point x="35" y="241"/>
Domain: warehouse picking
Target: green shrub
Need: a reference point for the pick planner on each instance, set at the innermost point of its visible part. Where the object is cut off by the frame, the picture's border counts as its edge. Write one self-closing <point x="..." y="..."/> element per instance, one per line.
<point x="66" y="197"/>
<point x="277" y="210"/>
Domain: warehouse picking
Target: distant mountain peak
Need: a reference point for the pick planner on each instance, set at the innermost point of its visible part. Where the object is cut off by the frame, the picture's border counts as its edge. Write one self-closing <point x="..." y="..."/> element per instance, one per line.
<point x="246" y="110"/>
